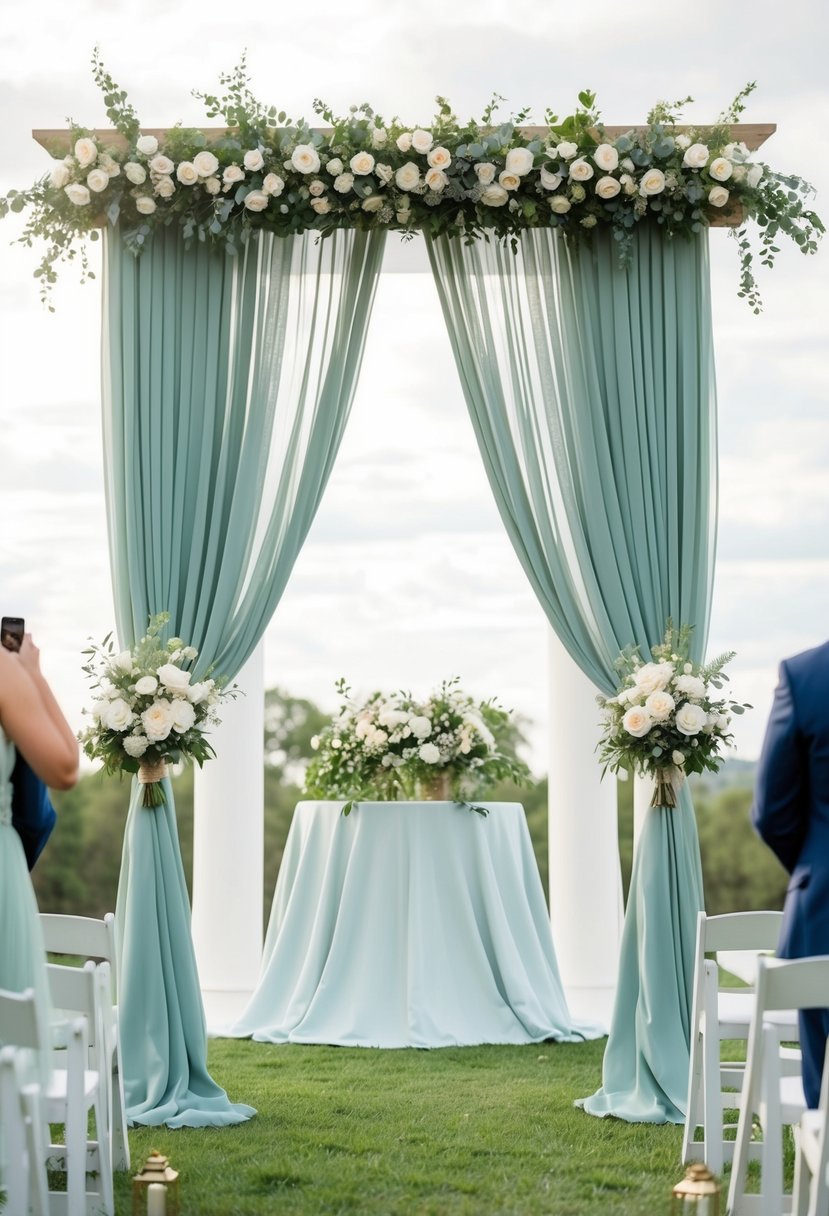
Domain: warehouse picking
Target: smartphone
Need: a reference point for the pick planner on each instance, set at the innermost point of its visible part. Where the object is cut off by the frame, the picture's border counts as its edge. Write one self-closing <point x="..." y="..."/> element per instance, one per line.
<point x="11" y="632"/>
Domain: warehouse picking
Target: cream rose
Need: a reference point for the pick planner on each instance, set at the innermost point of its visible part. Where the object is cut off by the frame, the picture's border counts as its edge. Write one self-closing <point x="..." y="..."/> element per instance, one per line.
<point x="754" y="176"/>
<point x="109" y="165"/>
<point x="550" y="181"/>
<point x="690" y="719"/>
<point x="421" y="141"/>
<point x="86" y="152"/>
<point x="510" y="181"/>
<point x="608" y="187"/>
<point x="637" y="721"/>
<point x="183" y="716"/>
<point x="408" y="176"/>
<point x="145" y="205"/>
<point x="59" y="175"/>
<point x="653" y="182"/>
<point x="158" y="720"/>
<point x="321" y="205"/>
<point x="436" y="180"/>
<point x="343" y="183"/>
<point x="379" y="137"/>
<point x="494" y="195"/>
<point x="660" y="705"/>
<point x="485" y="173"/>
<point x="566" y="149"/>
<point x="174" y="678"/>
<point x="384" y="173"/>
<point x="361" y="164"/>
<point x="721" y="169"/>
<point x="135" y="173"/>
<point x="187" y="173"/>
<point x="305" y="158"/>
<point x="440" y="158"/>
<point x="581" y="170"/>
<point x="165" y="187"/>
<point x="253" y="160"/>
<point x="559" y="204"/>
<point x="233" y="174"/>
<point x="199" y="692"/>
<point x="606" y="157"/>
<point x="691" y="686"/>
<point x="162" y="165"/>
<point x="146" y="686"/>
<point x="519" y="161"/>
<point x="147" y="145"/>
<point x="257" y="200"/>
<point x="117" y="715"/>
<point x="651" y="677"/>
<point x="205" y="163"/>
<point x="273" y="184"/>
<point x="718" y="196"/>
<point x="77" y="194"/>
<point x="404" y="141"/>
<point x="212" y="185"/>
<point x="696" y="156"/>
<point x="97" y="180"/>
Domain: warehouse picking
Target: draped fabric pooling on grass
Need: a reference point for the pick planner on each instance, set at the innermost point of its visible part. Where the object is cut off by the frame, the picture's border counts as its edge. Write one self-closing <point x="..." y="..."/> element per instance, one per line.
<point x="227" y="385"/>
<point x="591" y="392"/>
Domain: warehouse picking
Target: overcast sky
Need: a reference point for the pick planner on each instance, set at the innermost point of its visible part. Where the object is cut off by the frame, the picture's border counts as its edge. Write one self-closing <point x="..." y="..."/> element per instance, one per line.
<point x="407" y="575"/>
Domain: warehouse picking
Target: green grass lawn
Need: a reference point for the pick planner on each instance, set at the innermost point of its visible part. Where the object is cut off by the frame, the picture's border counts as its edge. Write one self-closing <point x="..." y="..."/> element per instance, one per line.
<point x="468" y="1130"/>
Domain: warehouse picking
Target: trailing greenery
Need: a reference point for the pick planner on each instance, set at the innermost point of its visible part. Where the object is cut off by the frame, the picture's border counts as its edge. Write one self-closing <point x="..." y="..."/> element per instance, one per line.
<point x="480" y="178"/>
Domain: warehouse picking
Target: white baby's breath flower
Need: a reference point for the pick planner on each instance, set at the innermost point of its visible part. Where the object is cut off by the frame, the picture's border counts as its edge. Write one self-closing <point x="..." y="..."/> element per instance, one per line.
<point x="273" y="184"/>
<point x="145" y="205"/>
<point x="147" y="145"/>
<point x="146" y="686"/>
<point x="408" y="175"/>
<point x="77" y="194"/>
<point x="253" y="160"/>
<point x="718" y="196"/>
<point x="606" y="157"/>
<point x="519" y="161"/>
<point x="485" y="172"/>
<point x="361" y="163"/>
<point x="187" y="173"/>
<point x="494" y="195"/>
<point x="421" y="141"/>
<point x="135" y="173"/>
<point x="637" y="721"/>
<point x="581" y="170"/>
<point x="696" y="156"/>
<point x="205" y="163"/>
<point x="608" y="187"/>
<point x="305" y="158"/>
<point x="59" y="175"/>
<point x="343" y="183"/>
<point x="256" y="200"/>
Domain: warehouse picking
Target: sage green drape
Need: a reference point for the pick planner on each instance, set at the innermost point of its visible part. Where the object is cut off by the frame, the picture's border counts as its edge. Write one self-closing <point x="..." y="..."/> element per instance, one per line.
<point x="591" y="392"/>
<point x="228" y="382"/>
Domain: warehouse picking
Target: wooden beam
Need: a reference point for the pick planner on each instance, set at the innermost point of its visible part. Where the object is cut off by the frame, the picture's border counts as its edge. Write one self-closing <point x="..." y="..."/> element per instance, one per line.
<point x="58" y="141"/>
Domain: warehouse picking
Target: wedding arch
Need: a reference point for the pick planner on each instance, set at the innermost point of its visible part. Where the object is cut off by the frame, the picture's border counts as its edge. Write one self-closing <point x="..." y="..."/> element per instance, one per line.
<point x="571" y="263"/>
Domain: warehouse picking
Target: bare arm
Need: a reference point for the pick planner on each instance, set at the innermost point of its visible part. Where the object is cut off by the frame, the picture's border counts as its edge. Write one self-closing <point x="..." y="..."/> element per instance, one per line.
<point x="33" y="720"/>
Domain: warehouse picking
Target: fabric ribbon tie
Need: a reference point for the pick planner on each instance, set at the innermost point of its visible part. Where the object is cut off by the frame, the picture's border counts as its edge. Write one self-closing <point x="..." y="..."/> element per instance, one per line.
<point x="668" y="782"/>
<point x="150" y="774"/>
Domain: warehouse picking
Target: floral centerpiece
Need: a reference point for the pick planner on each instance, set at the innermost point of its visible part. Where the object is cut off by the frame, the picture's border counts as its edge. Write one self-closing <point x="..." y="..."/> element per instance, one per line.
<point x="148" y="711"/>
<point x="268" y="172"/>
<point x="393" y="746"/>
<point x="669" y="717"/>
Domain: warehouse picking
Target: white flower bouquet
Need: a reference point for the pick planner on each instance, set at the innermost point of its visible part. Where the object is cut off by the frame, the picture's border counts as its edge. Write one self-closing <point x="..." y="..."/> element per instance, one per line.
<point x="148" y="711"/>
<point x="393" y="746"/>
<point x="669" y="717"/>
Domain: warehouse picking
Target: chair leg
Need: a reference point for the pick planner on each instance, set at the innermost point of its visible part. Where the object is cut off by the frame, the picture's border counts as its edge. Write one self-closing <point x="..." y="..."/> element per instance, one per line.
<point x="712" y="1101"/>
<point x="695" y="1112"/>
<point x="75" y="1141"/>
<point x="802" y="1179"/>
<point x="105" y="1188"/>
<point x="120" y="1140"/>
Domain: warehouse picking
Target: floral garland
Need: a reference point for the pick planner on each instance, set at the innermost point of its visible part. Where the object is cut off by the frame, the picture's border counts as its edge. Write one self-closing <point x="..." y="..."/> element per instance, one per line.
<point x="271" y="174"/>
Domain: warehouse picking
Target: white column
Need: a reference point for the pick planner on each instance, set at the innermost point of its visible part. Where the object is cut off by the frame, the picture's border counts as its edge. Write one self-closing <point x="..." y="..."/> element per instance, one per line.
<point x="228" y="852"/>
<point x="585" y="877"/>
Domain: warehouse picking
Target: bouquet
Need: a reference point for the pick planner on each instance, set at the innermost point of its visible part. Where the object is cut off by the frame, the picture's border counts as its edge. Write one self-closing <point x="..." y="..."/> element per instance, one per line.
<point x="670" y="717"/>
<point x="392" y="746"/>
<point x="148" y="711"/>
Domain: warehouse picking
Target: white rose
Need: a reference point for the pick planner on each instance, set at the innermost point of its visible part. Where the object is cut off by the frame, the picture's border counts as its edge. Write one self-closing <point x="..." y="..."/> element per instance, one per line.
<point x="273" y="184"/>
<point x="253" y="160"/>
<point x="560" y="204"/>
<point x="723" y="721"/>
<point x="305" y="158"/>
<point x="158" y="720"/>
<point x="373" y="203"/>
<point x="135" y="745"/>
<point x="696" y="156"/>
<point x="519" y="161"/>
<point x="199" y="692"/>
<point x="652" y="677"/>
<point x="343" y="183"/>
<point x="660" y="705"/>
<point x="117" y="715"/>
<point x="436" y="180"/>
<point x="736" y="152"/>
<point x="136" y="173"/>
<point x="110" y="165"/>
<point x="691" y="686"/>
<point x="720" y="169"/>
<point x="421" y="141"/>
<point x="494" y="195"/>
<point x="653" y="182"/>
<point x="162" y="165"/>
<point x="485" y="173"/>
<point x="379" y="136"/>
<point x="608" y="187"/>
<point x="334" y="166"/>
<point x="321" y="205"/>
<point x="59" y="175"/>
<point x="233" y="174"/>
<point x="77" y="194"/>
<point x="408" y="176"/>
<point x="566" y="149"/>
<point x="361" y="163"/>
<point x="628" y="165"/>
<point x="754" y="176"/>
<point x="384" y="173"/>
<point x="581" y="170"/>
<point x="205" y="164"/>
<point x="404" y="141"/>
<point x="606" y="157"/>
<point x="429" y="753"/>
<point x="165" y="187"/>
<point x="718" y="196"/>
<point x="86" y="152"/>
<point x="421" y="725"/>
<point x="173" y="677"/>
<point x="316" y="188"/>
<point x="440" y="158"/>
<point x="315" y="742"/>
<point x="189" y="653"/>
<point x="147" y="145"/>
<point x="683" y="141"/>
<point x="145" y="205"/>
<point x="550" y="181"/>
<point x="257" y="200"/>
<point x="122" y="662"/>
<point x="212" y="185"/>
<point x="187" y="173"/>
<point x="336" y="743"/>
<point x="678" y="758"/>
<point x="183" y="716"/>
<point x="627" y="183"/>
<point x="509" y="181"/>
<point x="690" y="719"/>
<point x="146" y="686"/>
<point x="637" y="721"/>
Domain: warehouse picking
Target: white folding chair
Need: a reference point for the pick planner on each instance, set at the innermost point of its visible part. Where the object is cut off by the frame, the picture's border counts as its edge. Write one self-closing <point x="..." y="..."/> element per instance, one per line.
<point x="23" y="1164"/>
<point x="811" y="1163"/>
<point x="76" y="991"/>
<point x="89" y="938"/>
<point x="723" y="1013"/>
<point x="774" y="1098"/>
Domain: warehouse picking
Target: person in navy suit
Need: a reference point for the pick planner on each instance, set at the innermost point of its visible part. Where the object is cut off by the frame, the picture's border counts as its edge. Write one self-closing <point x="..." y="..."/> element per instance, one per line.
<point x="791" y="814"/>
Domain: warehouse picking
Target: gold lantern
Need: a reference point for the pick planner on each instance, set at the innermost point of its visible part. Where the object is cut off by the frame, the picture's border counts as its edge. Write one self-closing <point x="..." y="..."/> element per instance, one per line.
<point x="157" y="1169"/>
<point x="698" y="1194"/>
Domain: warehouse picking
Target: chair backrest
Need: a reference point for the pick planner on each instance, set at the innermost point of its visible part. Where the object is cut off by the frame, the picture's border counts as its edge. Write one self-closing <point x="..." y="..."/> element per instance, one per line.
<point x="740" y="931"/>
<point x="797" y="983"/>
<point x="21" y="1021"/>
<point x="83" y="936"/>
<point x="74" y="990"/>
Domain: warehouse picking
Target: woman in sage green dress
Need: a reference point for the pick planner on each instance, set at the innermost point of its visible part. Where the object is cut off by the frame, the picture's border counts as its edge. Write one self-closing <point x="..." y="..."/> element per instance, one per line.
<point x="30" y="720"/>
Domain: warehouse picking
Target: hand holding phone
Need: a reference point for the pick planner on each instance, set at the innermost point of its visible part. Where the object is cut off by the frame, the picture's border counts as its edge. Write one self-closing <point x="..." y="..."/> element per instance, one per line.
<point x="11" y="632"/>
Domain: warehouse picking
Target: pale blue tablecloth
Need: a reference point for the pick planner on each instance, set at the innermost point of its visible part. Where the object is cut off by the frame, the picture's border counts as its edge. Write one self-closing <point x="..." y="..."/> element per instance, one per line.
<point x="409" y="925"/>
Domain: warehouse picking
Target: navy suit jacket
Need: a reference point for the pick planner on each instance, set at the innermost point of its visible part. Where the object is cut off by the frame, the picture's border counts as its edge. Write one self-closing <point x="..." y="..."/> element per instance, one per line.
<point x="791" y="808"/>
